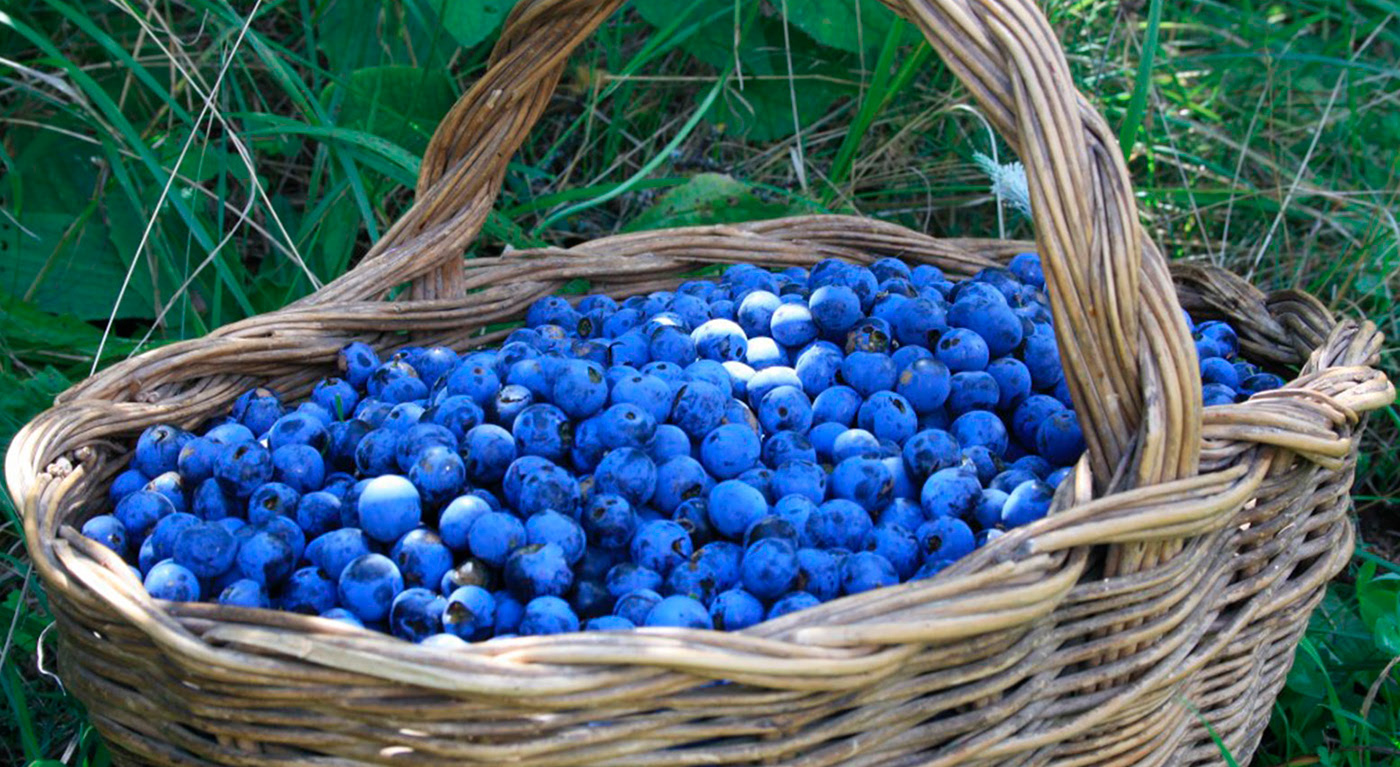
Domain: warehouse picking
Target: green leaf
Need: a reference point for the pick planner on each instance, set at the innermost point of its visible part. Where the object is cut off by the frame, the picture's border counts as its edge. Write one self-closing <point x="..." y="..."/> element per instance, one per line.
<point x="709" y="32"/>
<point x="709" y="198"/>
<point x="1387" y="631"/>
<point x="22" y="398"/>
<point x="763" y="110"/>
<point x="66" y="263"/>
<point x="37" y="336"/>
<point x="834" y="23"/>
<point x="1378" y="597"/>
<point x="400" y="104"/>
<point x="471" y="21"/>
<point x="355" y="34"/>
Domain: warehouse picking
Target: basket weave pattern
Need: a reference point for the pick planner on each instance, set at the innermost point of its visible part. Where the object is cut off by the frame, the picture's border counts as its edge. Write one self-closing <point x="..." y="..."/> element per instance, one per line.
<point x="1168" y="588"/>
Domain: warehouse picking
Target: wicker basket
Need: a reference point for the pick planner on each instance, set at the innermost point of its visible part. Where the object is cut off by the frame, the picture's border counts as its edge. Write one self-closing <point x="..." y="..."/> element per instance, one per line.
<point x="1167" y="591"/>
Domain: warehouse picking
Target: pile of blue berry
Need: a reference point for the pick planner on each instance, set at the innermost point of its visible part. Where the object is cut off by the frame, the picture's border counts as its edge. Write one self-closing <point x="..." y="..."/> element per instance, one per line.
<point x="711" y="457"/>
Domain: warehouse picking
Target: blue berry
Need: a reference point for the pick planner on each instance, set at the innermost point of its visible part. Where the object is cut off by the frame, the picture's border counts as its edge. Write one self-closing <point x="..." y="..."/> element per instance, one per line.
<point x="244" y="593"/>
<point x="680" y="612"/>
<point x="888" y="416"/>
<point x="950" y="493"/>
<point x="1028" y="502"/>
<point x="980" y="428"/>
<point x="609" y="521"/>
<point x="389" y="506"/>
<point x="308" y="591"/>
<point x="818" y="366"/>
<point x="509" y="612"/>
<point x="1013" y="381"/>
<point x="1217" y="394"/>
<point x="549" y="487"/>
<point x="1259" y="382"/>
<point x="421" y="557"/>
<point x="734" y="505"/>
<point x="272" y="500"/>
<point x="299" y="466"/>
<point x="206" y="549"/>
<point x="921" y="322"/>
<point x="158" y="450"/>
<point x="855" y="443"/>
<point x="1042" y="358"/>
<point x="627" y="577"/>
<point x="838" y="523"/>
<point x="869" y="372"/>
<point x="735" y="610"/>
<point x="944" y="539"/>
<point x="1060" y="438"/>
<point x="867" y="481"/>
<point x="730" y="450"/>
<point x="769" y="567"/>
<point x="992" y="320"/>
<point x="897" y="545"/>
<point x="108" y="531"/>
<point x="818" y="573"/>
<point x="866" y="570"/>
<point x="368" y="586"/>
<point x="494" y="535"/>
<point x="1030" y="414"/>
<point x="266" y="557"/>
<point x="636" y="605"/>
<point x="538" y="570"/>
<point x="470" y="613"/>
<point x="785" y="408"/>
<point x="837" y="404"/>
<point x="170" y="581"/>
<point x="961" y="349"/>
<point x="336" y="549"/>
<point x="165" y="531"/>
<point x="903" y="512"/>
<point x="988" y="512"/>
<point x="661" y="545"/>
<point x="693" y="579"/>
<point x="791" y="603"/>
<point x="609" y="623"/>
<point x="256" y="409"/>
<point x="720" y="340"/>
<point x="126" y="483"/>
<point x="241" y="468"/>
<point x="800" y="477"/>
<point x="416" y="614"/>
<point x="755" y="313"/>
<point x="196" y="460"/>
<point x="1026" y="267"/>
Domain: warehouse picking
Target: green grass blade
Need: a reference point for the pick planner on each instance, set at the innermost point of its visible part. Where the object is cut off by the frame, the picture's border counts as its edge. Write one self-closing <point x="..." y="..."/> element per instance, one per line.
<point x="1137" y="106"/>
<point x="651" y="164"/>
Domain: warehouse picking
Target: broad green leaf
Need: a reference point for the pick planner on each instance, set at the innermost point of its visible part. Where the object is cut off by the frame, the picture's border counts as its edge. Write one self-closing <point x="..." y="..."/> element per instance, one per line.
<point x="23" y="397"/>
<point x="471" y="21"/>
<point x="846" y="25"/>
<point x="38" y="336"/>
<point x="709" y="31"/>
<point x="66" y="262"/>
<point x="763" y="109"/>
<point x="400" y="104"/>
<point x="354" y="34"/>
<point x="709" y="198"/>
<point x="1387" y="631"/>
<point x="1378" y="597"/>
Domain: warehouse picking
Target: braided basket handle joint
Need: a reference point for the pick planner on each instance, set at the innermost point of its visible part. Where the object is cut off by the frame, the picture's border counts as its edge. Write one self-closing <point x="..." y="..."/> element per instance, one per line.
<point x="1128" y="356"/>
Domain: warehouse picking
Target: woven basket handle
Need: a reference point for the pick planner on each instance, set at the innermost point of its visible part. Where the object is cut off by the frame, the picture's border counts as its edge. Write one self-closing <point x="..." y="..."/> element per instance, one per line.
<point x="1128" y="356"/>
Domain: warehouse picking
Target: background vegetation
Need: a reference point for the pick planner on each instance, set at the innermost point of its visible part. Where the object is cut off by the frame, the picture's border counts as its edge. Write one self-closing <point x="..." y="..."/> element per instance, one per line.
<point x="173" y="165"/>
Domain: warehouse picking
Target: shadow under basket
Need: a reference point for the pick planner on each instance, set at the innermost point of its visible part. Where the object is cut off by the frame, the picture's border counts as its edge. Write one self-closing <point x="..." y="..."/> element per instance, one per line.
<point x="1159" y="603"/>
